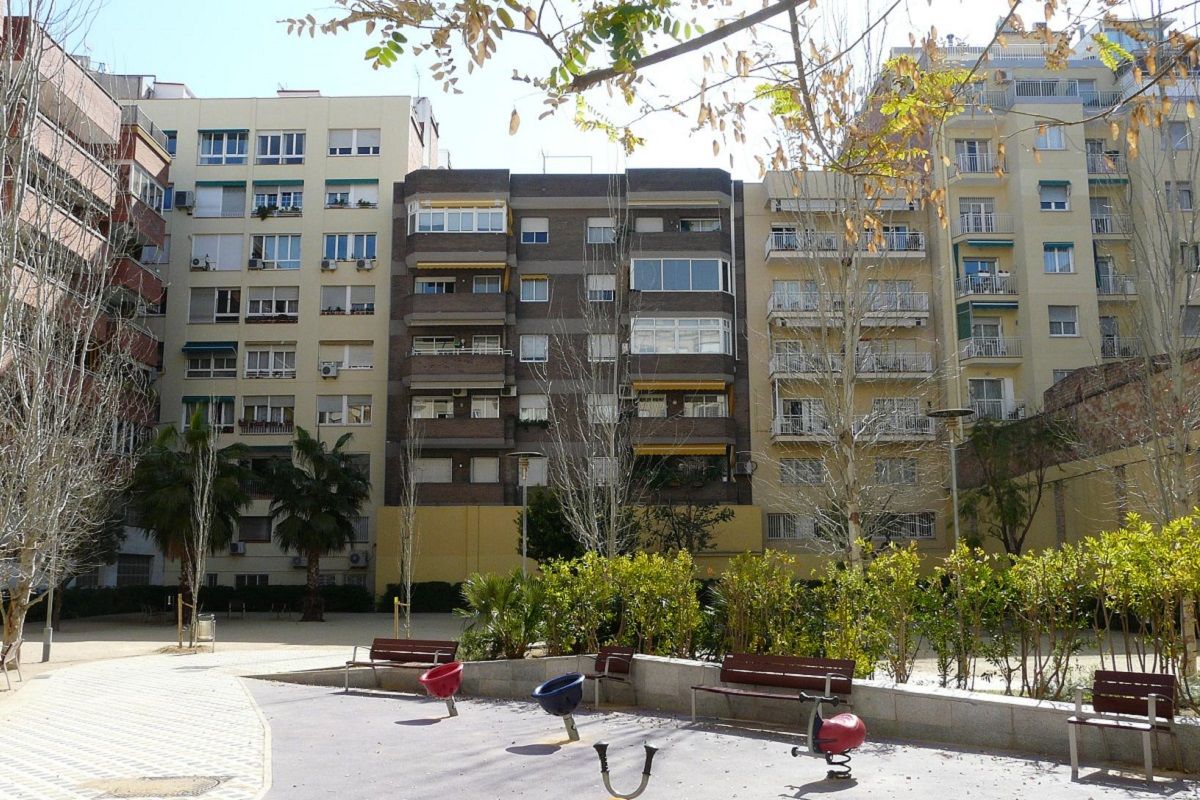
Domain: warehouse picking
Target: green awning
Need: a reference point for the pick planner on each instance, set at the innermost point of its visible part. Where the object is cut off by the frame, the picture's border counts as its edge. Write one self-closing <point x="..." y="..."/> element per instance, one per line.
<point x="349" y="181"/>
<point x="189" y="399"/>
<point x="221" y="183"/>
<point x="210" y="347"/>
<point x="223" y="130"/>
<point x="1107" y="181"/>
<point x="1057" y="244"/>
<point x="990" y="242"/>
<point x="1054" y="183"/>
<point x="994" y="304"/>
<point x="281" y="182"/>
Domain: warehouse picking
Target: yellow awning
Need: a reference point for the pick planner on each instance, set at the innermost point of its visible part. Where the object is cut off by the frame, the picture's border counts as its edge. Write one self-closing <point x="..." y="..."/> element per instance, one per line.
<point x="461" y="265"/>
<point x="663" y="386"/>
<point x="679" y="449"/>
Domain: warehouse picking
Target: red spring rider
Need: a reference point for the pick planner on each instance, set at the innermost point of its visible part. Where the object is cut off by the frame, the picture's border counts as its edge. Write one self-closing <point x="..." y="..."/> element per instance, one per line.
<point x="832" y="738"/>
<point x="443" y="682"/>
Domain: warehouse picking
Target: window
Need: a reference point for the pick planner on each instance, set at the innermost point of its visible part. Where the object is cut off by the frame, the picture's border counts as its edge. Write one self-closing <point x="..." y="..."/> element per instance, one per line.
<point x="602" y="469"/>
<point x="535" y="290"/>
<point x="433" y="408"/>
<point x="168" y="197"/>
<point x="1059" y="374"/>
<point x="601" y="288"/>
<point x="533" y="407"/>
<point x="790" y="527"/>
<point x="648" y="225"/>
<point x="280" y="147"/>
<point x="1058" y="258"/>
<point x="480" y="219"/>
<point x="133" y="570"/>
<point x="535" y="230"/>
<point x="340" y="409"/>
<point x="1179" y="136"/>
<point x="273" y="413"/>
<point x="537" y="472"/>
<point x="651" y="406"/>
<point x="485" y="470"/>
<point x="347" y="355"/>
<point x="278" y="198"/>
<point x="705" y="405"/>
<point x="349" y="246"/>
<point x="143" y="186"/>
<point x="362" y="530"/>
<point x="266" y="361"/>
<point x="348" y="300"/>
<point x="535" y="348"/>
<point x="1064" y="320"/>
<point x="433" y="470"/>
<point x="685" y="336"/>
<point x="486" y="344"/>
<point x="215" y="305"/>
<point x="702" y="225"/>
<point x="156" y="254"/>
<point x="220" y="201"/>
<point x="223" y="147"/>
<point x="351" y="194"/>
<point x="602" y="346"/>
<point x="1054" y="197"/>
<point x="172" y="141"/>
<point x="1050" y="137"/>
<point x="1191" y="322"/>
<point x="803" y="471"/>
<point x="432" y="345"/>
<point x="1179" y="195"/>
<point x="211" y="366"/>
<point x="245" y="581"/>
<point x="276" y="251"/>
<point x="601" y="230"/>
<point x="433" y="286"/>
<point x="602" y="408"/>
<point x="273" y="302"/>
<point x="977" y="214"/>
<point x="485" y="407"/>
<point x="914" y="525"/>
<point x="896" y="471"/>
<point x="217" y="251"/>
<point x="486" y="284"/>
<point x="217" y="410"/>
<point x="680" y="275"/>
<point x="354" y="141"/>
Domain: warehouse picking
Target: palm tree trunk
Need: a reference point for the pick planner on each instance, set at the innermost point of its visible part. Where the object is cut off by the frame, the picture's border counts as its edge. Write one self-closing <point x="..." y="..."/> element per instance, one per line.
<point x="313" y="605"/>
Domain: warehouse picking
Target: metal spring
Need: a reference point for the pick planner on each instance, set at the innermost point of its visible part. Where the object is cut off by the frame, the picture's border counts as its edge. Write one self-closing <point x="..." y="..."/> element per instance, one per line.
<point x="841" y="766"/>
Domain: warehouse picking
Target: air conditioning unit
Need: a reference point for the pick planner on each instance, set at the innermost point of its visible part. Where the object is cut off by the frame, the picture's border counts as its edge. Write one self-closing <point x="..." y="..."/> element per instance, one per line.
<point x="237" y="548"/>
<point x="359" y="559"/>
<point x="625" y="392"/>
<point x="365" y="264"/>
<point x="328" y="264"/>
<point x="183" y="199"/>
<point x="508" y="391"/>
<point x="459" y="392"/>
<point x="255" y="263"/>
<point x="329" y="369"/>
<point x="300" y="562"/>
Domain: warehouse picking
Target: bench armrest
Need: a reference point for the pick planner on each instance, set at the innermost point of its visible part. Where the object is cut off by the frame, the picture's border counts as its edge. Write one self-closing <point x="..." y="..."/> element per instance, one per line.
<point x="1078" y="692"/>
<point x="614" y="657"/>
<point x="354" y="654"/>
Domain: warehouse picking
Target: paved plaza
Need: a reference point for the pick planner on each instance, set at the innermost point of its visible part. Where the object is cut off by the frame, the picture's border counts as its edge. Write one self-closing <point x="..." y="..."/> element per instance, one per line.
<point x="101" y="727"/>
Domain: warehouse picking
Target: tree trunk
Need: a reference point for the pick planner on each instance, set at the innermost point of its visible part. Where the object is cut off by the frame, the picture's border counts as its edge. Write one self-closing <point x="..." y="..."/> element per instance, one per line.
<point x="314" y="605"/>
<point x="17" y="606"/>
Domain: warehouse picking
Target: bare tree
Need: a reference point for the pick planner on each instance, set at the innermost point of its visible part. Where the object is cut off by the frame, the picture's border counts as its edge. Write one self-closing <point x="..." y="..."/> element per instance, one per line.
<point x="69" y="393"/>
<point x="196" y="545"/>
<point x="409" y="533"/>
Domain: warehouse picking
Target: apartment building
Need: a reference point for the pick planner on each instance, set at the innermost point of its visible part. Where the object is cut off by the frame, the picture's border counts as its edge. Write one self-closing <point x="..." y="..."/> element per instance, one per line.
<point x="276" y="260"/>
<point x="517" y="299"/>
<point x="844" y="364"/>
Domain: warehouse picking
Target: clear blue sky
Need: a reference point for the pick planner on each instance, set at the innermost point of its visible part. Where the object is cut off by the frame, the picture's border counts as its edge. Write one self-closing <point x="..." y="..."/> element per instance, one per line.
<point x="236" y="48"/>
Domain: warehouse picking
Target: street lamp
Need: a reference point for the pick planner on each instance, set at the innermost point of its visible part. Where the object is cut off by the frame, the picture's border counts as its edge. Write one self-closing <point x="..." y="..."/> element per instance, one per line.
<point x="948" y="414"/>
<point x="522" y="457"/>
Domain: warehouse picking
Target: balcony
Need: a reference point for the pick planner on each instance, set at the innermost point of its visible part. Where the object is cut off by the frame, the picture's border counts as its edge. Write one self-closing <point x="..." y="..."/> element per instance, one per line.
<point x="819" y="309"/>
<point x="1116" y="286"/>
<point x="255" y="374"/>
<point x="1106" y="164"/>
<point x="811" y="427"/>
<point x="1117" y="347"/>
<point x="138" y="278"/>
<point x="979" y="165"/>
<point x="892" y="427"/>
<point x="805" y="364"/>
<point x="680" y="430"/>
<point x="75" y="159"/>
<point x="868" y="364"/>
<point x="895" y="243"/>
<point x="1111" y="225"/>
<point x="272" y="319"/>
<point x="139" y="343"/>
<point x="999" y="410"/>
<point x="264" y="427"/>
<point x="986" y="347"/>
<point x="132" y="115"/>
<point x="460" y="367"/>
<point x="983" y="284"/>
<point x="467" y="494"/>
<point x="982" y="224"/>
<point x="465" y="308"/>
<point x="466" y="432"/>
<point x="149" y="225"/>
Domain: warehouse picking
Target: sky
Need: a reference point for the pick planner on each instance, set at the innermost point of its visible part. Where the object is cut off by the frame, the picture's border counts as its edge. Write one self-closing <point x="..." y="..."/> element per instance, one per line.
<point x="236" y="48"/>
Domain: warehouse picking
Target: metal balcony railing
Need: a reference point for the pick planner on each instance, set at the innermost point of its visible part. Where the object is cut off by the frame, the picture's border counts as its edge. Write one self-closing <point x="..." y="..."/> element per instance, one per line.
<point x="989" y="347"/>
<point x="986" y="284"/>
<point x="893" y="425"/>
<point x="132" y="115"/>
<point x="271" y="373"/>
<point x="998" y="409"/>
<point x="835" y="302"/>
<point x="979" y="163"/>
<point x="806" y="363"/>
<point x="828" y="242"/>
<point x="264" y="426"/>
<point x="1120" y="347"/>
<point x="450" y="350"/>
<point x="1106" y="163"/>
<point x="1116" y="285"/>
<point x="812" y="425"/>
<point x="983" y="223"/>
<point x="874" y="363"/>
<point x="1110" y="224"/>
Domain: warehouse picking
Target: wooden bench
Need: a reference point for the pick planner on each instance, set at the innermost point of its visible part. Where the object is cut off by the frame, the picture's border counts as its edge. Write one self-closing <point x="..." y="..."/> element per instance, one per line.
<point x="833" y="676"/>
<point x="11" y="654"/>
<point x="612" y="664"/>
<point x="402" y="654"/>
<point x="1141" y="702"/>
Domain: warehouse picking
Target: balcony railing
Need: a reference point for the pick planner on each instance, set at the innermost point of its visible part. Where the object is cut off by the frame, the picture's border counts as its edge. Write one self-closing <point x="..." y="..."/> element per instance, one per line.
<point x="990" y="347"/>
<point x="264" y="426"/>
<point x="272" y="318"/>
<point x="1120" y="347"/>
<point x="983" y="223"/>
<point x="271" y="373"/>
<point x="450" y="350"/>
<point x="356" y="309"/>
<point x="800" y="425"/>
<point x="893" y="425"/>
<point x="979" y="163"/>
<point x="1110" y="224"/>
<point x="827" y="242"/>
<point x="1116" y="285"/>
<point x="986" y="284"/>
<point x="835" y="302"/>
<point x="132" y="115"/>
<point x="873" y="363"/>
<point x="998" y="409"/>
<point x="806" y="363"/>
<point x="1106" y="163"/>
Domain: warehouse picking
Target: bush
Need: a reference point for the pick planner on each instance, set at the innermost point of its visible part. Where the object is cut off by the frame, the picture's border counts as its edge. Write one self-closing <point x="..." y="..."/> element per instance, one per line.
<point x="506" y="615"/>
<point x="756" y="605"/>
<point x="581" y="603"/>
<point x="895" y="595"/>
<point x="427" y="597"/>
<point x="660" y="609"/>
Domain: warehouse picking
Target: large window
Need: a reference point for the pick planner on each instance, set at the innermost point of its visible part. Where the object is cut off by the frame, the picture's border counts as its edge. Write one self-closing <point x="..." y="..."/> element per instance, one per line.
<point x="276" y="251"/>
<point x="433" y="408"/>
<point x="911" y="525"/>
<point x="254" y="529"/>
<point x="433" y="286"/>
<point x="347" y="355"/>
<point x="1058" y="258"/>
<point x="210" y="365"/>
<point x="533" y="408"/>
<point x="681" y="335"/>
<point x="680" y="275"/>
<point x="349" y="246"/>
<point x="535" y="230"/>
<point x="278" y="198"/>
<point x="783" y="527"/>
<point x="1178" y="136"/>
<point x="485" y="406"/>
<point x="1050" y="137"/>
<point x="803" y="471"/>
<point x="535" y="348"/>
<point x="1179" y="195"/>
<point x="220" y="201"/>
<point x="602" y="346"/>
<point x="896" y="471"/>
<point x="273" y="411"/>
<point x="218" y="411"/>
<point x="486" y="284"/>
<point x="705" y="405"/>
<point x="485" y="469"/>
<point x="280" y="147"/>
<point x="433" y="470"/>
<point x="601" y="288"/>
<point x="217" y="251"/>
<point x="700" y="225"/>
<point x="601" y="230"/>
<point x="351" y="194"/>
<point x="133" y="570"/>
<point x="343" y="409"/>
<point x="1054" y="197"/>
<point x="359" y="300"/>
<point x="354" y="141"/>
<point x="273" y="302"/>
<point x="143" y="186"/>
<point x="223" y="147"/>
<point x="1064" y="320"/>
<point x="602" y="408"/>
<point x="535" y="289"/>
<point x="270" y="361"/>
<point x="483" y="219"/>
<point x="651" y="406"/>
<point x="221" y="304"/>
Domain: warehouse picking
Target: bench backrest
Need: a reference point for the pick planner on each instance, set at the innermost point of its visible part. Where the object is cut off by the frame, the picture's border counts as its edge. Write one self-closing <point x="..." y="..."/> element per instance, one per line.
<point x="1127" y="693"/>
<point x="789" y="672"/>
<point x="420" y="651"/>
<point x="614" y="660"/>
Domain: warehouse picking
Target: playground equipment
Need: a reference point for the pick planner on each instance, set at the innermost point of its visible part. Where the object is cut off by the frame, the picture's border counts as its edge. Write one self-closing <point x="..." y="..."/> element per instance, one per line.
<point x="832" y="738"/>
<point x="560" y="697"/>
<point x="602" y="751"/>
<point x="443" y="682"/>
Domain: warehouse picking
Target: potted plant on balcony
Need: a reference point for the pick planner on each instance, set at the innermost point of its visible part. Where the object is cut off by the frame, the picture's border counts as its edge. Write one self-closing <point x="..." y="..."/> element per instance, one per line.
<point x="338" y="202"/>
<point x="262" y="212"/>
<point x="363" y="203"/>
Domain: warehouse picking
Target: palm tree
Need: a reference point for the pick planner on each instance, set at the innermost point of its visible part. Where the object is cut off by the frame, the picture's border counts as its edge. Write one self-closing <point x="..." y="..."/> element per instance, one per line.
<point x="161" y="492"/>
<point x="317" y="498"/>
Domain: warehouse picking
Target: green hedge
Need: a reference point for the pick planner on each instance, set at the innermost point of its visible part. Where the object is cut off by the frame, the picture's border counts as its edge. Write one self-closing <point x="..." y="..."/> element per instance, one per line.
<point x="431" y="596"/>
<point x="78" y="603"/>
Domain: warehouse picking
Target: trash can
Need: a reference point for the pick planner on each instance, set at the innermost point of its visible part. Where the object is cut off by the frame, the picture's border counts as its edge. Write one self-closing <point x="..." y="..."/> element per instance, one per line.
<point x="206" y="629"/>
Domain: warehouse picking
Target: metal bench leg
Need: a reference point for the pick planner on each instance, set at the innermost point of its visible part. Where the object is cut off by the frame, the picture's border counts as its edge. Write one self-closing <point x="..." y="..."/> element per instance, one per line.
<point x="347" y="689"/>
<point x="1074" y="743"/>
<point x="1148" y="755"/>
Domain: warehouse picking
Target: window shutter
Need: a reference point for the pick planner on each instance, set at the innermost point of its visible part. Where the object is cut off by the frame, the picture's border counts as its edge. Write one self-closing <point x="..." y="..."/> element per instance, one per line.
<point x="202" y="305"/>
<point x="963" y="313"/>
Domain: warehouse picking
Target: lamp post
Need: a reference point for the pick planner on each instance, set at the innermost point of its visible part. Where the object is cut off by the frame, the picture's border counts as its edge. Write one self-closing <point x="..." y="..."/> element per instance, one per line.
<point x="522" y="457"/>
<point x="949" y="414"/>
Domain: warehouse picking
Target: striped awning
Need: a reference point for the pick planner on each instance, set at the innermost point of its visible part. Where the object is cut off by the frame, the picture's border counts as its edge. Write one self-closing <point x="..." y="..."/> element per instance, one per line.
<point x="210" y="347"/>
<point x="220" y="183"/>
<point x="281" y="182"/>
<point x="679" y="449"/>
<point x="349" y="181"/>
<point x="990" y="242"/>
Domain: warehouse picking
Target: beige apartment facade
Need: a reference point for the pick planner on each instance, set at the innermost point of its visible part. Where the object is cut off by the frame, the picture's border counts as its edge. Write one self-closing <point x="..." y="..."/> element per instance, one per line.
<point x="280" y="222"/>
